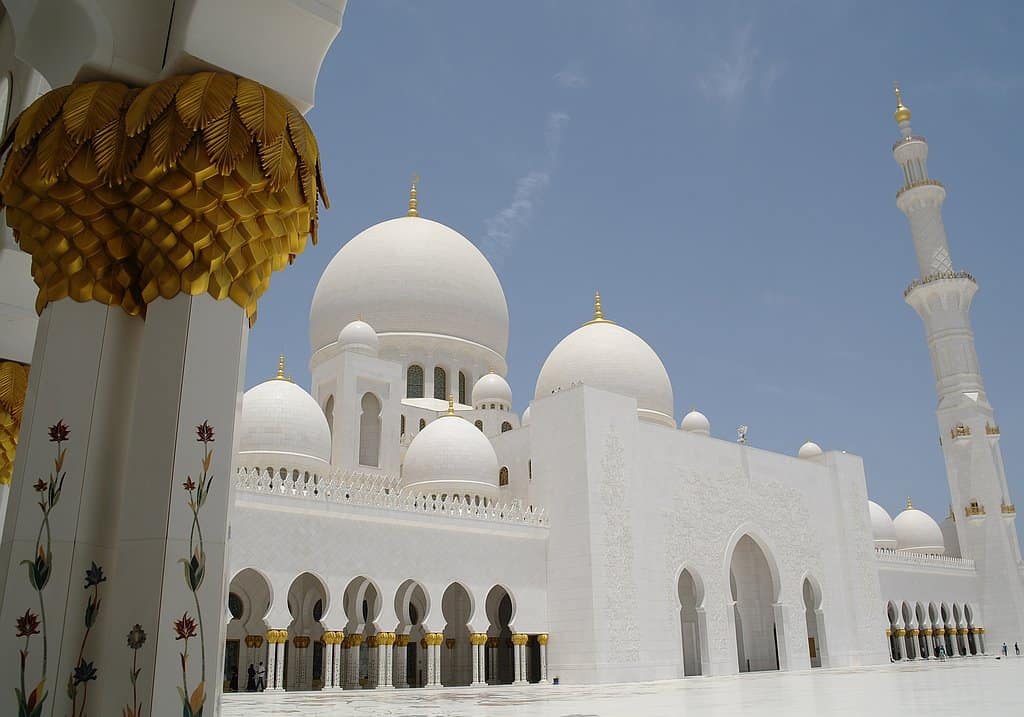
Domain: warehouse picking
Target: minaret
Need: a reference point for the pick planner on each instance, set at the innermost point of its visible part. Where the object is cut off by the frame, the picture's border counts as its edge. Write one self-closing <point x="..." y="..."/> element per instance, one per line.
<point x="968" y="432"/>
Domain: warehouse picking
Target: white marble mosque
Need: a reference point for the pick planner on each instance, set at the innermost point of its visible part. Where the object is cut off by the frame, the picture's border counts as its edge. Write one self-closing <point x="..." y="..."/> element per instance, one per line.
<point x="396" y="524"/>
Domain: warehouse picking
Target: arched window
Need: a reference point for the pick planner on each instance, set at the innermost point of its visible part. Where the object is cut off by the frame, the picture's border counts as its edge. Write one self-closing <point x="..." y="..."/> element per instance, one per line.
<point x="503" y="476"/>
<point x="414" y="382"/>
<point x="440" y="383"/>
<point x="506" y="426"/>
<point x="369" y="431"/>
<point x="479" y="424"/>
<point x="462" y="387"/>
<point x="235" y="606"/>
<point x="329" y="413"/>
<point x="402" y="433"/>
<point x="423" y="423"/>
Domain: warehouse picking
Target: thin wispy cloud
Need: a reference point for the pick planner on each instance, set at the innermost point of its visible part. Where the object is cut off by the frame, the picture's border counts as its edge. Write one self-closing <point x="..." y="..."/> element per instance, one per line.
<point x="506" y="227"/>
<point x="572" y="77"/>
<point x="737" y="69"/>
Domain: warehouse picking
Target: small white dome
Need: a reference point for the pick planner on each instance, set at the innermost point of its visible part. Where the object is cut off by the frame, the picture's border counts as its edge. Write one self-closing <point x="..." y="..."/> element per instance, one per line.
<point x="604" y="355"/>
<point x="279" y="417"/>
<point x="882" y="529"/>
<point x="451" y="456"/>
<point x="492" y="388"/>
<point x="525" y="421"/>
<point x="810" y="449"/>
<point x="917" y="532"/>
<point x="696" y="422"/>
<point x="359" y="336"/>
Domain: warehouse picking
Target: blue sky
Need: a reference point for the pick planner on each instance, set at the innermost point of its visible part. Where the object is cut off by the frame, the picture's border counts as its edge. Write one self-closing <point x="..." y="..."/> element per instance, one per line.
<point x="721" y="172"/>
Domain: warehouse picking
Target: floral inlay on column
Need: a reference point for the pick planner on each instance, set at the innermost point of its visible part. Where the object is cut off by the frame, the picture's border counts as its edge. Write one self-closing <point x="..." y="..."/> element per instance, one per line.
<point x="136" y="639"/>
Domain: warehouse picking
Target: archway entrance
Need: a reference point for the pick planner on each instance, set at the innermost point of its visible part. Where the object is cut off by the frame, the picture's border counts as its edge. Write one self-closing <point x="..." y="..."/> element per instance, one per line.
<point x="754" y="594"/>
<point x="500" y="662"/>
<point x="456" y="652"/>
<point x="691" y="614"/>
<point x="362" y="602"/>
<point x="923" y="648"/>
<point x="895" y="648"/>
<point x="909" y="648"/>
<point x="412" y="606"/>
<point x="815" y="623"/>
<point x="303" y="655"/>
<point x="249" y="599"/>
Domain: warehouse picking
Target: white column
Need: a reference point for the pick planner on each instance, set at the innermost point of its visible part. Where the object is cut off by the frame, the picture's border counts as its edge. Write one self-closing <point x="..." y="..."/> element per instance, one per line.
<point x="519" y="643"/>
<point x="401" y="652"/>
<point x="388" y="662"/>
<point x="328" y="665"/>
<point x="352" y="662"/>
<point x="372" y="661"/>
<point x="279" y="673"/>
<point x="543" y="640"/>
<point x="477" y="640"/>
<point x="339" y="655"/>
<point x="271" y="665"/>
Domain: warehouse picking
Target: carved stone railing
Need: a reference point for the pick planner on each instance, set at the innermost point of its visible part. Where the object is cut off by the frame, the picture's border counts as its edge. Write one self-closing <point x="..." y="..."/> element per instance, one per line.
<point x="938" y="276"/>
<point x="376" y="490"/>
<point x="918" y="183"/>
<point x="887" y="555"/>
<point x="908" y="140"/>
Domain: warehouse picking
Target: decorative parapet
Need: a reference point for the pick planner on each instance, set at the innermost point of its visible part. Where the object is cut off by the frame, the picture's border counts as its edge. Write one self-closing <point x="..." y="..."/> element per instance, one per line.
<point x="1007" y="509"/>
<point x="376" y="490"/>
<point x="991" y="429"/>
<point x="919" y="183"/>
<point x="960" y="430"/>
<point x="974" y="509"/>
<point x="887" y="555"/>
<point x="938" y="276"/>
<point x="907" y="140"/>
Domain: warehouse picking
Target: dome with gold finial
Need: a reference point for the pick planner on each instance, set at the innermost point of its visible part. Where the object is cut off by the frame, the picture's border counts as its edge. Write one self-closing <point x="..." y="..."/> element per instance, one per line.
<point x="412" y="280"/>
<point x="279" y="417"/>
<point x="917" y="532"/>
<point x="902" y="113"/>
<point x="607" y="356"/>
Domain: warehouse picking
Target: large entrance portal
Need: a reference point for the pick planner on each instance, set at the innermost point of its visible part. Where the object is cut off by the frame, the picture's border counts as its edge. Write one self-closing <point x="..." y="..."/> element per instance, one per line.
<point x="754" y="594"/>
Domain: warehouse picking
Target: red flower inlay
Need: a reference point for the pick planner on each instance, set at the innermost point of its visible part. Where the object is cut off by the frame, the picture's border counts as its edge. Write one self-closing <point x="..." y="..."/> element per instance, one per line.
<point x="185" y="627"/>
<point x="204" y="432"/>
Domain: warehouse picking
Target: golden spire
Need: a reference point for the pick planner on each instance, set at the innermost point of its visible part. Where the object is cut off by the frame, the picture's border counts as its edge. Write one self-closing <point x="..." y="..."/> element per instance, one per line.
<point x="598" y="312"/>
<point x="909" y="504"/>
<point x="451" y="404"/>
<point x="902" y="113"/>
<point x="413" y="212"/>
<point x="280" y="368"/>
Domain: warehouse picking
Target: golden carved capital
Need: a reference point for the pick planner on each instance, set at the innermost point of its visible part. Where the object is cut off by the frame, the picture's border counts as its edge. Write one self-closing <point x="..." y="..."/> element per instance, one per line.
<point x="13" y="387"/>
<point x="542" y="639"/>
<point x="520" y="638"/>
<point x="401" y="640"/>
<point x="478" y="638"/>
<point x="196" y="184"/>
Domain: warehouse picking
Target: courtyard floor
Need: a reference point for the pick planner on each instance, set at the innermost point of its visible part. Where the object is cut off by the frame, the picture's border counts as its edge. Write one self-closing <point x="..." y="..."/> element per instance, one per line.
<point x="955" y="687"/>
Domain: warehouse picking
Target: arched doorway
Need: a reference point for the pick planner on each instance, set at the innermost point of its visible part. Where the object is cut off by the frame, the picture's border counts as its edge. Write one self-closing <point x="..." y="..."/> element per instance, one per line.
<point x="249" y="600"/>
<point x="412" y="605"/>
<point x="369" y="431"/>
<point x="949" y="642"/>
<point x="754" y="594"/>
<point x="456" y="652"/>
<point x="934" y="623"/>
<point x="815" y="619"/>
<point x="909" y="648"/>
<point x="923" y="648"/>
<point x="500" y="663"/>
<point x="895" y="649"/>
<point x="972" y="639"/>
<point x="691" y="616"/>
<point x="303" y="655"/>
<point x="362" y="602"/>
<point x="958" y="637"/>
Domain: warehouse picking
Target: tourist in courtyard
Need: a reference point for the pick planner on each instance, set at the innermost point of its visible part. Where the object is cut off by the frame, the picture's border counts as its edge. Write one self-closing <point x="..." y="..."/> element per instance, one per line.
<point x="1016" y="648"/>
<point x="250" y="683"/>
<point x="1004" y="649"/>
<point x="261" y="677"/>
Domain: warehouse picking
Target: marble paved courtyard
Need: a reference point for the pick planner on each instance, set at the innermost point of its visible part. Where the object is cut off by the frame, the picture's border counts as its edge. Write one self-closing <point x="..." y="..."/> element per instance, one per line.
<point x="956" y="687"/>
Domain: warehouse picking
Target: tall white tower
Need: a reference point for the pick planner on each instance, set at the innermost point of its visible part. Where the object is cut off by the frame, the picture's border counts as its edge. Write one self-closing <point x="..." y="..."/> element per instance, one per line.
<point x="984" y="512"/>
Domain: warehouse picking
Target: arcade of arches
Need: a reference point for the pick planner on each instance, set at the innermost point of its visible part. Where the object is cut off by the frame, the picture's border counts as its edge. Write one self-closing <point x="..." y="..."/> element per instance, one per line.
<point x="364" y="654"/>
<point x="935" y="630"/>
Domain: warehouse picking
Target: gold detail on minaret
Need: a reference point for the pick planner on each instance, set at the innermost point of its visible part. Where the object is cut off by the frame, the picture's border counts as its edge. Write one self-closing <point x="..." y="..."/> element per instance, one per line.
<point x="451" y="404"/>
<point x="991" y="429"/>
<point x="598" y="312"/>
<point x="952" y="515"/>
<point x="1007" y="508"/>
<point x="974" y="509"/>
<point x="280" y="369"/>
<point x="910" y="505"/>
<point x="13" y="387"/>
<point x="960" y="430"/>
<point x="902" y="113"/>
<point x="197" y="184"/>
<point x="413" y="211"/>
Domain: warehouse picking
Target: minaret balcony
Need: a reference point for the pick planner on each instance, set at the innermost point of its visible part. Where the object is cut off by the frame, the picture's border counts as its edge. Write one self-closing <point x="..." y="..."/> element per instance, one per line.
<point x="919" y="183"/>
<point x="991" y="429"/>
<point x="960" y="430"/>
<point x="974" y="509"/>
<point x="908" y="140"/>
<point x="1007" y="509"/>
<point x="938" y="276"/>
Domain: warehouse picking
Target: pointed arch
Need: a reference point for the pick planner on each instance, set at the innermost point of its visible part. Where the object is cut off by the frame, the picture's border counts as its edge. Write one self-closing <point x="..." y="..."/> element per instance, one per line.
<point x="369" y="430"/>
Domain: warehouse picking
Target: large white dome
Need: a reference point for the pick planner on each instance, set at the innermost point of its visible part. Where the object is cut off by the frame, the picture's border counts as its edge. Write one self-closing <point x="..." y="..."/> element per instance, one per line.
<point x="604" y="355"/>
<point x="279" y="417"/>
<point x="917" y="532"/>
<point x="451" y="456"/>
<point x="882" y="529"/>
<point x="411" y="276"/>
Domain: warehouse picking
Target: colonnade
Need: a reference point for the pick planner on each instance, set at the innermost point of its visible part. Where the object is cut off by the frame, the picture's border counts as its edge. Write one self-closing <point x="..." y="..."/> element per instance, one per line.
<point x="940" y="630"/>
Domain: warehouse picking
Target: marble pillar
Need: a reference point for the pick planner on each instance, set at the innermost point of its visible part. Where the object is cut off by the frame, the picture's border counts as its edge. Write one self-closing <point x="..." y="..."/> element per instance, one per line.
<point x="542" y="640"/>
<point x="478" y="640"/>
<point x="401" y="652"/>
<point x="519" y="641"/>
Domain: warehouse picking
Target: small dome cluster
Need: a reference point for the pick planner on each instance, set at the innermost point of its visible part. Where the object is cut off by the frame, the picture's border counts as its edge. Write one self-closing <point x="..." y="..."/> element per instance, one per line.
<point x="913" y="530"/>
<point x="359" y="336"/>
<point x="492" y="390"/>
<point x="451" y="457"/>
<point x="696" y="422"/>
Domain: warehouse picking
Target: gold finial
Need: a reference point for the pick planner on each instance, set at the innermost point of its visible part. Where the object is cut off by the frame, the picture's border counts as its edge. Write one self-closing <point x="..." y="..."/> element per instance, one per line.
<point x="451" y="404"/>
<point x="598" y="312"/>
<point x="413" y="212"/>
<point x="909" y="504"/>
<point x="280" y="368"/>
<point x="902" y="113"/>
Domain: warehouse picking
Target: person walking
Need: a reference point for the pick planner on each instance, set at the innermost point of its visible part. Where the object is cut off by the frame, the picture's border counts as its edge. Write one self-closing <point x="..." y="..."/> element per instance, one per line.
<point x="250" y="683"/>
<point x="261" y="677"/>
<point x="1016" y="648"/>
<point x="1004" y="649"/>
